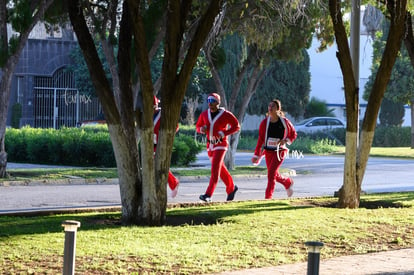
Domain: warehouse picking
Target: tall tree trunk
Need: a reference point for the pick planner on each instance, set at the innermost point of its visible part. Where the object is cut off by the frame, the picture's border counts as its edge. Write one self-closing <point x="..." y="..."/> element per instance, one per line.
<point x="409" y="45"/>
<point x="412" y="122"/>
<point x="356" y="155"/>
<point x="5" y="85"/>
<point x="9" y="63"/>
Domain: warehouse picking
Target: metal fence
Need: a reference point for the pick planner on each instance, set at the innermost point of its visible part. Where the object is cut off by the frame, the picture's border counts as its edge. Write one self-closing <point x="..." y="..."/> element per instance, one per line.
<point x="58" y="103"/>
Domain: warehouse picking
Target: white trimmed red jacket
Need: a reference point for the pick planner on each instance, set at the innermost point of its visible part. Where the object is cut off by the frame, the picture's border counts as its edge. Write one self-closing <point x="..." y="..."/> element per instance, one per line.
<point x="217" y="129"/>
<point x="157" y="122"/>
<point x="289" y="134"/>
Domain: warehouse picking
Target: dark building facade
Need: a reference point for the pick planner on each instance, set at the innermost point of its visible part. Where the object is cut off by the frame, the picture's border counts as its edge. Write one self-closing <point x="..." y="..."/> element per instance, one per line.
<point x="45" y="90"/>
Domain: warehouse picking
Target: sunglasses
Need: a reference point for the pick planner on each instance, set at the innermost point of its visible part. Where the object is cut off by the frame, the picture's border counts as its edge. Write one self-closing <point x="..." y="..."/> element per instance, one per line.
<point x="211" y="100"/>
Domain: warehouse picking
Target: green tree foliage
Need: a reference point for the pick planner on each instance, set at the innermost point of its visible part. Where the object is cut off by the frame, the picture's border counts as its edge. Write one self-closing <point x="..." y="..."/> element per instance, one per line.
<point x="288" y="81"/>
<point x="317" y="107"/>
<point x="400" y="89"/>
<point x="392" y="113"/>
<point x="81" y="72"/>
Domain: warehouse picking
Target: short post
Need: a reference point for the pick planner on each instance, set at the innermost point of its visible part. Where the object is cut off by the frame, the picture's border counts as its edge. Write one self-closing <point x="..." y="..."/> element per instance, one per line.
<point x="314" y="249"/>
<point x="70" y="228"/>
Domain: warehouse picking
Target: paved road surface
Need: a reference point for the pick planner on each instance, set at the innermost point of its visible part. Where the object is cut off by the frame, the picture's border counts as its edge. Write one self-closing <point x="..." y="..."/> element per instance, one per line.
<point x="315" y="176"/>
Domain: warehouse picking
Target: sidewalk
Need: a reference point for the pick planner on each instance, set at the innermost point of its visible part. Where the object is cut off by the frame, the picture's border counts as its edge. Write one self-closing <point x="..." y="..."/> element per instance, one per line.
<point x="389" y="262"/>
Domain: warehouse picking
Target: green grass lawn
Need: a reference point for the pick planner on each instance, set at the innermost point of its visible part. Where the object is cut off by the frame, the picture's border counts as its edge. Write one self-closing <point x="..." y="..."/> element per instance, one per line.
<point x="209" y="238"/>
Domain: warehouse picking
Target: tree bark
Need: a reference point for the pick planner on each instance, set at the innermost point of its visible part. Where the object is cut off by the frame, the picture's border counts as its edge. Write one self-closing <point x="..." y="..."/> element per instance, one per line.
<point x="412" y="122"/>
<point x="8" y="64"/>
<point x="356" y="155"/>
<point x="409" y="45"/>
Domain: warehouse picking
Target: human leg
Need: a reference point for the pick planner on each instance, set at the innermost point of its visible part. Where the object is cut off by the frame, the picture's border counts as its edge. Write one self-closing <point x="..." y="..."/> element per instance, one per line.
<point x="285" y="181"/>
<point x="173" y="184"/>
<point x="216" y="158"/>
<point x="269" y="156"/>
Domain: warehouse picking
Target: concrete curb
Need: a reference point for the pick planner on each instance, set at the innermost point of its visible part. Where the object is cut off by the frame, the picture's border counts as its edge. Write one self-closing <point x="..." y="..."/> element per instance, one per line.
<point x="80" y="181"/>
<point x="70" y="181"/>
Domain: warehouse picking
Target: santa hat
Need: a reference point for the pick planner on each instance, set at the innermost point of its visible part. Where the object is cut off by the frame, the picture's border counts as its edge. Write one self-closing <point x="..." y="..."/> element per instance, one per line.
<point x="214" y="96"/>
<point x="155" y="101"/>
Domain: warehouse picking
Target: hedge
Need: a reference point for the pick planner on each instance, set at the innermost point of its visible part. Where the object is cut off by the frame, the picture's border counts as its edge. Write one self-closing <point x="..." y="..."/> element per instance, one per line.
<point x="87" y="146"/>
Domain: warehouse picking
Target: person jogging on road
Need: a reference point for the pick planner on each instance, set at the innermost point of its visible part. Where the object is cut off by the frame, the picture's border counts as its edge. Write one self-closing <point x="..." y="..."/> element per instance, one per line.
<point x="275" y="131"/>
<point x="217" y="124"/>
<point x="172" y="180"/>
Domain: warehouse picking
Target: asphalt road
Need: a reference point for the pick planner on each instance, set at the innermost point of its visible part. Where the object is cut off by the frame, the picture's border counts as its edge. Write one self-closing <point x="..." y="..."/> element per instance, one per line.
<point x="315" y="176"/>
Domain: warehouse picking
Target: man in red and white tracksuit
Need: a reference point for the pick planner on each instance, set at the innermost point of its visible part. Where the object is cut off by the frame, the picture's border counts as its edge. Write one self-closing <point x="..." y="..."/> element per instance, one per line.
<point x="172" y="180"/>
<point x="217" y="124"/>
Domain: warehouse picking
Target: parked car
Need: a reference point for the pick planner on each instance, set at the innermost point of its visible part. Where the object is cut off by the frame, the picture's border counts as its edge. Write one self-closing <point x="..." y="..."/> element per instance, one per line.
<point x="317" y="124"/>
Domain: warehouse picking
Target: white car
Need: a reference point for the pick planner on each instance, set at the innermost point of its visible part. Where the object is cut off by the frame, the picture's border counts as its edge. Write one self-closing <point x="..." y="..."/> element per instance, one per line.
<point x="318" y="124"/>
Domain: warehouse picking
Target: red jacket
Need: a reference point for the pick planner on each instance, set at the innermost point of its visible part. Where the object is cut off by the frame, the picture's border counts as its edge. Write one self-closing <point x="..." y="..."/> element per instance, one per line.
<point x="223" y="125"/>
<point x="156" y="119"/>
<point x="289" y="134"/>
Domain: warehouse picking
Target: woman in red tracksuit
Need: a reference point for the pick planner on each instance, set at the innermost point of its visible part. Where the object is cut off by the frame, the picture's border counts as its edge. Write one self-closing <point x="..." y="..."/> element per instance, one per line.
<point x="217" y="124"/>
<point x="172" y="180"/>
<point x="275" y="131"/>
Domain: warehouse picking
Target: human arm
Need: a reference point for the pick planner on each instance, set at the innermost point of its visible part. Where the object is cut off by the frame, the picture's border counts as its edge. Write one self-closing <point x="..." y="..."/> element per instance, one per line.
<point x="233" y="125"/>
<point x="201" y="125"/>
<point x="258" y="152"/>
<point x="291" y="134"/>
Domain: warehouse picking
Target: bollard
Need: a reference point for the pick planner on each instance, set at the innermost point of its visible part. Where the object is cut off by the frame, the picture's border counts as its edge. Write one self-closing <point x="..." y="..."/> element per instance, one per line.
<point x="70" y="228"/>
<point x="314" y="249"/>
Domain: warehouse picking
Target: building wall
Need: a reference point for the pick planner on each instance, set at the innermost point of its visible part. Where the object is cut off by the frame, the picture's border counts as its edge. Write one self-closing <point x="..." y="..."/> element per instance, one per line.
<point x="40" y="57"/>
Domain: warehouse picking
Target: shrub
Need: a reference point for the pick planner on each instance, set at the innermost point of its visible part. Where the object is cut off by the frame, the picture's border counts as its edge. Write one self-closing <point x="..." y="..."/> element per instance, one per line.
<point x="185" y="150"/>
<point x="392" y="136"/>
<point x="87" y="146"/>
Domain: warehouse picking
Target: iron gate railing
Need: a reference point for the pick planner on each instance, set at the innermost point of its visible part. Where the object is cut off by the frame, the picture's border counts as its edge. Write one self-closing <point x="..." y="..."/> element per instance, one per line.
<point x="58" y="103"/>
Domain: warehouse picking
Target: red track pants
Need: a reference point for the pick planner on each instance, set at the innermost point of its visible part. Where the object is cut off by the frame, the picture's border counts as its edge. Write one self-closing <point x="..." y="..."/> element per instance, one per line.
<point x="218" y="169"/>
<point x="274" y="160"/>
<point x="172" y="181"/>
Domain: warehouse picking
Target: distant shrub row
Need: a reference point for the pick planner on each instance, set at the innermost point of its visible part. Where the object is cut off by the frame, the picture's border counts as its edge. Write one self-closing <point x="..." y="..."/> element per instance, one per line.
<point x="325" y="142"/>
<point x="91" y="146"/>
<point x="88" y="146"/>
<point x="391" y="136"/>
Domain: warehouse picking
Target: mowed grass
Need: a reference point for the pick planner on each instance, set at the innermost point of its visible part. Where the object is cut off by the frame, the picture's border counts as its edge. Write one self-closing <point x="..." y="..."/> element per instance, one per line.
<point x="208" y="238"/>
<point x="387" y="152"/>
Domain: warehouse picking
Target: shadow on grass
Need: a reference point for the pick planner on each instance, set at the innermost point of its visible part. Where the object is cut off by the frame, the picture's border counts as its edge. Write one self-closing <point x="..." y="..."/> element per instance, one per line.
<point x="196" y="214"/>
<point x="190" y="214"/>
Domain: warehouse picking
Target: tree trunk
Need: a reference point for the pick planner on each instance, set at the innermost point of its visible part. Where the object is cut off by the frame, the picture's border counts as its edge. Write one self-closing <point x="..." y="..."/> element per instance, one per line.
<point x="37" y="12"/>
<point x="412" y="123"/>
<point x="5" y="85"/>
<point x="356" y="155"/>
<point x="3" y="159"/>
<point x="130" y="183"/>
<point x="409" y="45"/>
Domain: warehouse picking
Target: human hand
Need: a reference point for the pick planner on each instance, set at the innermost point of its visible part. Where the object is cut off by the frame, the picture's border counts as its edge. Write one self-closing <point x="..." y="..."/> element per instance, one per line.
<point x="203" y="129"/>
<point x="255" y="160"/>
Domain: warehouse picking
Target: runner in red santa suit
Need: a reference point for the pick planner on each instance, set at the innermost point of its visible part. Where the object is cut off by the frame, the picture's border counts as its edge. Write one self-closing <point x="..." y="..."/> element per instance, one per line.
<point x="275" y="131"/>
<point x="172" y="180"/>
<point x="217" y="124"/>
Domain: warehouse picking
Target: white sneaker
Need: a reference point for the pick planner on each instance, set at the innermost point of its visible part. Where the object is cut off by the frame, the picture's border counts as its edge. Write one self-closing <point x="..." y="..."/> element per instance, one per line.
<point x="175" y="191"/>
<point x="289" y="191"/>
